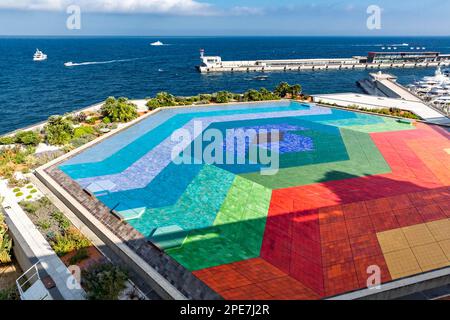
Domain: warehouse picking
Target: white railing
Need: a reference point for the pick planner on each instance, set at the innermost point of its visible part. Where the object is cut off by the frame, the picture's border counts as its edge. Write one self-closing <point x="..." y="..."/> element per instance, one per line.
<point x="30" y="285"/>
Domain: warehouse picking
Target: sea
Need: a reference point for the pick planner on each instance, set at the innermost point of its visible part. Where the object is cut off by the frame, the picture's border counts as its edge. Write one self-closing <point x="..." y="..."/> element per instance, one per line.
<point x="129" y="66"/>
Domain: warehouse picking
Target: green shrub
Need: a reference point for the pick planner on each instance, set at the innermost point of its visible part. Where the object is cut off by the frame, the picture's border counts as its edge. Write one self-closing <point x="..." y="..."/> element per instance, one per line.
<point x="284" y="89"/>
<point x="31" y="207"/>
<point x="30" y="187"/>
<point x="104" y="282"/>
<point x="106" y="120"/>
<point x="29" y="197"/>
<point x="83" y="131"/>
<point x="16" y="190"/>
<point x="79" y="256"/>
<point x="33" y="191"/>
<point x="44" y="225"/>
<point x="19" y="194"/>
<point x="92" y="120"/>
<point x="7" y="140"/>
<point x="28" y="138"/>
<point x="162" y="99"/>
<point x="9" y="294"/>
<point x="61" y="219"/>
<point x="71" y="240"/>
<point x="119" y="110"/>
<point x="59" y="130"/>
<point x="78" y="142"/>
<point x="5" y="242"/>
<point x="223" y="97"/>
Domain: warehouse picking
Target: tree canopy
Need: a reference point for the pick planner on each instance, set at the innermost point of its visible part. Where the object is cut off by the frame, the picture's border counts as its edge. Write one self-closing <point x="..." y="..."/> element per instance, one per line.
<point x="119" y="110"/>
<point x="58" y="130"/>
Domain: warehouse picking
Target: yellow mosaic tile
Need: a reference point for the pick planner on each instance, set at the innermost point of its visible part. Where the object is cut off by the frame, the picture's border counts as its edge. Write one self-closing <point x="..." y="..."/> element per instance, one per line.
<point x="430" y="257"/>
<point x="418" y="235"/>
<point x="392" y="240"/>
<point x="402" y="264"/>
<point x="440" y="229"/>
<point x="445" y="246"/>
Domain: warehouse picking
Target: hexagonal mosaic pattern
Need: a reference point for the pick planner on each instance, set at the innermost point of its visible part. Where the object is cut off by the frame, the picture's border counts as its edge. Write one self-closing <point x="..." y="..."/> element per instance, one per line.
<point x="353" y="191"/>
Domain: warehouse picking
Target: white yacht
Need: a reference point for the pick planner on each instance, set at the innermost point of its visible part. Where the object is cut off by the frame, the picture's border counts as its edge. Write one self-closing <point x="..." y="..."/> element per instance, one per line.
<point x="157" y="44"/>
<point x="39" y="56"/>
<point x="439" y="91"/>
<point x="441" y="100"/>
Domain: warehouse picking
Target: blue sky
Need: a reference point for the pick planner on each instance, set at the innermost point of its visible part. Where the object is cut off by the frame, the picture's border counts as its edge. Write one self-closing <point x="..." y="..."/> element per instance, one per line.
<point x="224" y="17"/>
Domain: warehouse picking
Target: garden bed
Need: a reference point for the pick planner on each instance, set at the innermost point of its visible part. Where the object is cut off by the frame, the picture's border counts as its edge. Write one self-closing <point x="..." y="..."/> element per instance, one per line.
<point x="99" y="278"/>
<point x="68" y="242"/>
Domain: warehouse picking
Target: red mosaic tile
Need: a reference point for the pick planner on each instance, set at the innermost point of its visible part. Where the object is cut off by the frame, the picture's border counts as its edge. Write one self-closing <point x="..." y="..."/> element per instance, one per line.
<point x="308" y="273"/>
<point x="445" y="207"/>
<point x="324" y="235"/>
<point x="431" y="213"/>
<point x="222" y="278"/>
<point x="308" y="249"/>
<point x="408" y="217"/>
<point x="287" y="289"/>
<point x="340" y="278"/>
<point x="365" y="246"/>
<point x="362" y="267"/>
<point x="400" y="202"/>
<point x="250" y="292"/>
<point x="355" y="210"/>
<point x="378" y="206"/>
<point x="306" y="225"/>
<point x="384" y="222"/>
<point x="256" y="270"/>
<point x="333" y="232"/>
<point x="277" y="252"/>
<point x="420" y="199"/>
<point x="336" y="253"/>
<point x="359" y="226"/>
<point x="331" y="215"/>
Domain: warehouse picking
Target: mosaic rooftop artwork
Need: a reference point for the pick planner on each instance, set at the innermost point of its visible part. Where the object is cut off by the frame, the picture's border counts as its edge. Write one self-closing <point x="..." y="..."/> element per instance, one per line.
<point x="353" y="191"/>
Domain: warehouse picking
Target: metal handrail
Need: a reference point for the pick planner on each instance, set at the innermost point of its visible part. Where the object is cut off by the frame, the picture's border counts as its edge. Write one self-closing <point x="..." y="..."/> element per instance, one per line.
<point x="29" y="278"/>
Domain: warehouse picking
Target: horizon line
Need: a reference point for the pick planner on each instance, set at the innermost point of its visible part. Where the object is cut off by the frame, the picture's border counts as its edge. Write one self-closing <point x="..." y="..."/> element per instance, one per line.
<point x="219" y="35"/>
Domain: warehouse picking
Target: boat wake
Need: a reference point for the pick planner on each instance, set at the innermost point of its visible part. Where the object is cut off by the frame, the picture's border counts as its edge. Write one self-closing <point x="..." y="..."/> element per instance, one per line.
<point x="382" y="45"/>
<point x="73" y="64"/>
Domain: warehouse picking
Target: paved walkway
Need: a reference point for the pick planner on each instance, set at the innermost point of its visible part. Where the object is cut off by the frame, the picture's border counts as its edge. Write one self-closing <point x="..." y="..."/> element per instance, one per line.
<point x="372" y="102"/>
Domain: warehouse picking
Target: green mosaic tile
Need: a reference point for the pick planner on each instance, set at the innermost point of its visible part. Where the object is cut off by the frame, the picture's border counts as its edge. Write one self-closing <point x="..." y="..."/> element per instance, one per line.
<point x="365" y="159"/>
<point x="388" y="125"/>
<point x="237" y="233"/>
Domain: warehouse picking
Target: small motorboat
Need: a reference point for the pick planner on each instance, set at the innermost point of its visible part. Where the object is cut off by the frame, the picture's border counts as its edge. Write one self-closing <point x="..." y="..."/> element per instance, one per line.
<point x="68" y="64"/>
<point x="261" y="78"/>
<point x="39" y="56"/>
<point x="157" y="44"/>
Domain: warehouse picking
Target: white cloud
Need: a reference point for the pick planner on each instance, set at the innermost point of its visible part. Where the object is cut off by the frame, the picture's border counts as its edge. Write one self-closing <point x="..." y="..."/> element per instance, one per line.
<point x="182" y="7"/>
<point x="243" y="11"/>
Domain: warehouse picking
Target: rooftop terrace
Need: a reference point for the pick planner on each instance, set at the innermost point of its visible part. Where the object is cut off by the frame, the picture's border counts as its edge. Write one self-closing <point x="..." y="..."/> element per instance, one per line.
<point x="353" y="191"/>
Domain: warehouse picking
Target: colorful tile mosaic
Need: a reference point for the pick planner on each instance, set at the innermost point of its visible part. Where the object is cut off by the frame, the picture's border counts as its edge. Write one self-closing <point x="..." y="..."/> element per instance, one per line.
<point x="353" y="191"/>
